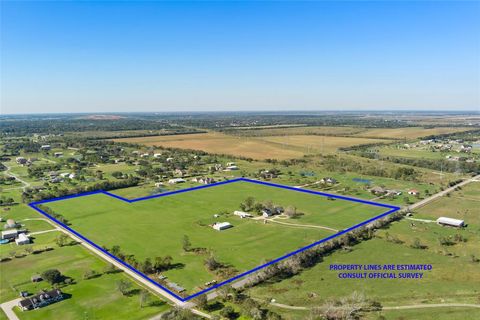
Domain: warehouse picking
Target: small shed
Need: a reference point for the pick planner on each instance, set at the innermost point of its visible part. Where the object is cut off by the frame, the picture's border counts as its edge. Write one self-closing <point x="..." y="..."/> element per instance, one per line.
<point x="221" y="225"/>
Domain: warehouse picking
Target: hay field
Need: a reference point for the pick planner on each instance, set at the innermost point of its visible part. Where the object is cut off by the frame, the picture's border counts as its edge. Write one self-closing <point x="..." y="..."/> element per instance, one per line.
<point x="319" y="144"/>
<point x="408" y="133"/>
<point x="299" y="130"/>
<point x="220" y="144"/>
<point x="271" y="147"/>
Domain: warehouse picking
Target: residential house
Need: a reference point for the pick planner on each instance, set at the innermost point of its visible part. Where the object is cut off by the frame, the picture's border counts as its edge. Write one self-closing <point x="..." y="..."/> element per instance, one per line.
<point x="44" y="298"/>
<point x="413" y="192"/>
<point x="176" y="180"/>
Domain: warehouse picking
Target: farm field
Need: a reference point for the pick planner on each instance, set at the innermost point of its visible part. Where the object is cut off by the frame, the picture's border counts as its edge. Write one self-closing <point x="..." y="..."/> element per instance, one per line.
<point x="319" y="144"/>
<point x="310" y="130"/>
<point x="218" y="143"/>
<point x="156" y="227"/>
<point x="408" y="132"/>
<point x="277" y="147"/>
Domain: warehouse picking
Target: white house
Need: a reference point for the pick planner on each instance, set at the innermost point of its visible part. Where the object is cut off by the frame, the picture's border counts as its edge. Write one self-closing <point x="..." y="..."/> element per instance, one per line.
<point x="221" y="225"/>
<point x="22" y="239"/>
<point x="242" y="214"/>
<point x="413" y="192"/>
<point x="9" y="234"/>
<point x="231" y="168"/>
<point x="176" y="180"/>
<point x="267" y="213"/>
<point x="58" y="154"/>
<point x="450" y="222"/>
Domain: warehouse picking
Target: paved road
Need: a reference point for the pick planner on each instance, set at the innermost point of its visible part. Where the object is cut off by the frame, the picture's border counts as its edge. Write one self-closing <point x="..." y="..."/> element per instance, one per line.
<point x="7" y="307"/>
<point x="423" y="202"/>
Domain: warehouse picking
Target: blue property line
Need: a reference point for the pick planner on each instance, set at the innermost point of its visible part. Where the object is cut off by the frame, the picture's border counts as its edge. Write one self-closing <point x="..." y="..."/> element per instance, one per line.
<point x="34" y="206"/>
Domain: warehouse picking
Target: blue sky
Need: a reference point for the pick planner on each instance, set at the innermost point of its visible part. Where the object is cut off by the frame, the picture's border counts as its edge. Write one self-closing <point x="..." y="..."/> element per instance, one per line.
<point x="228" y="56"/>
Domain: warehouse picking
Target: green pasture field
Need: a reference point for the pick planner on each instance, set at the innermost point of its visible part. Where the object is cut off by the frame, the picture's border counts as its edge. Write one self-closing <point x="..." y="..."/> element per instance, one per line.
<point x="95" y="298"/>
<point x="155" y="227"/>
<point x="441" y="313"/>
<point x="455" y="278"/>
<point x="444" y="313"/>
<point x="422" y="153"/>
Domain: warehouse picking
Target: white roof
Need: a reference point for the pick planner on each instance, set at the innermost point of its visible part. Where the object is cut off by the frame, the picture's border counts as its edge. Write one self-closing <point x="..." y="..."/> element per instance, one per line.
<point x="7" y="232"/>
<point x="223" y="224"/>
<point x="450" y="221"/>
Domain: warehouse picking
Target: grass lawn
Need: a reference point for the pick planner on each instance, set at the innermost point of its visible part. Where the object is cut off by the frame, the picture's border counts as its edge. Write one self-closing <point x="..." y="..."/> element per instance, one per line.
<point x="96" y="298"/>
<point x="447" y="313"/>
<point x="442" y="284"/>
<point x="156" y="227"/>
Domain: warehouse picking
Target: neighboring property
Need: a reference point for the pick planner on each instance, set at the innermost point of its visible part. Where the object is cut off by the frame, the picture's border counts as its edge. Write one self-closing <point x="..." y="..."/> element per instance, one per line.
<point x="451" y="222"/>
<point x="222" y="225"/>
<point x="45" y="147"/>
<point x="413" y="192"/>
<point x="328" y="180"/>
<point x="267" y="213"/>
<point x="378" y="190"/>
<point x="36" y="278"/>
<point x="206" y="180"/>
<point x="231" y="168"/>
<point x="9" y="234"/>
<point x="10" y="224"/>
<point x="44" y="298"/>
<point x="58" y="154"/>
<point x="175" y="286"/>
<point x="242" y="214"/>
<point x="176" y="180"/>
<point x="21" y="160"/>
<point x="22" y="239"/>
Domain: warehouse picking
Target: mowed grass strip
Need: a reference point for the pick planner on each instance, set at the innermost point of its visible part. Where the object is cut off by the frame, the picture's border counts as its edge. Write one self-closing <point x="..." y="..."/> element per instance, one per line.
<point x="155" y="227"/>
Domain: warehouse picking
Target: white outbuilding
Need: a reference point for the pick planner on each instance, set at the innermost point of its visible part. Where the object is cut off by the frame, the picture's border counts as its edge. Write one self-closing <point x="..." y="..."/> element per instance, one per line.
<point x="9" y="234"/>
<point x="242" y="214"/>
<point x="22" y="239"/>
<point x="221" y="225"/>
<point x="451" y="222"/>
<point x="176" y="180"/>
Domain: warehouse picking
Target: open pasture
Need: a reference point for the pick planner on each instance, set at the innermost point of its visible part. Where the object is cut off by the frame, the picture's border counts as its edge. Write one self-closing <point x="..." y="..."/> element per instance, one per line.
<point x="156" y="227"/>
<point x="318" y="144"/>
<point x="273" y="147"/>
<point x="408" y="132"/>
<point x="220" y="144"/>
